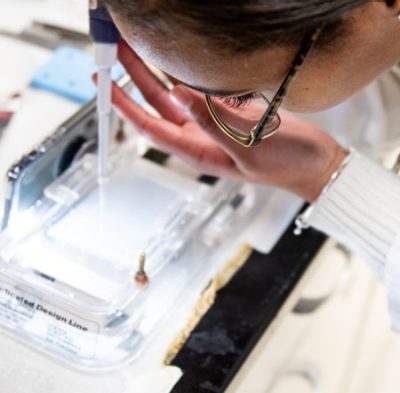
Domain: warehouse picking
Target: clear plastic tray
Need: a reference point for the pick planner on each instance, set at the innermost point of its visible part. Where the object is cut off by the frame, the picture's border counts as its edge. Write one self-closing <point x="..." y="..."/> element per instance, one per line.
<point x="68" y="265"/>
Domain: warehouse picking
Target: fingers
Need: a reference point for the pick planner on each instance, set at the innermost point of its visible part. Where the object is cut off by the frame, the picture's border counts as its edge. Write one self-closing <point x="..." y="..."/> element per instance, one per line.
<point x="195" y="104"/>
<point x="188" y="101"/>
<point x="138" y="116"/>
<point x="152" y="89"/>
<point x="201" y="153"/>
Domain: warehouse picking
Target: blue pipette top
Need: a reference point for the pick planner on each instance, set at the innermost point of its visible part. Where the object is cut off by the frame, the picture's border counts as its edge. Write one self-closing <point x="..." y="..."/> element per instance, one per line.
<point x="102" y="27"/>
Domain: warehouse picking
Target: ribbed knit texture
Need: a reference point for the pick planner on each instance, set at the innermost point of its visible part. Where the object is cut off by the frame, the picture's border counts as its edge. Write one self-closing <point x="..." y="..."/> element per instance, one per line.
<point x="361" y="210"/>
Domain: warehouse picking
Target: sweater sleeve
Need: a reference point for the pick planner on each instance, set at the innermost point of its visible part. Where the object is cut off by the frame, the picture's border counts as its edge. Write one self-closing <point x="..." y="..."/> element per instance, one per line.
<point x="361" y="209"/>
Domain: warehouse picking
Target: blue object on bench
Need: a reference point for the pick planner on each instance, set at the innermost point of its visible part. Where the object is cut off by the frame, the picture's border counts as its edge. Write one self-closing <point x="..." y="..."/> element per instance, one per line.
<point x="69" y="74"/>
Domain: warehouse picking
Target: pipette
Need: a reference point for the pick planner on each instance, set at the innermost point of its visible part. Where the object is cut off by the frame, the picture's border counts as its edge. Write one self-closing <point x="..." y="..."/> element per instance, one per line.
<point x="105" y="37"/>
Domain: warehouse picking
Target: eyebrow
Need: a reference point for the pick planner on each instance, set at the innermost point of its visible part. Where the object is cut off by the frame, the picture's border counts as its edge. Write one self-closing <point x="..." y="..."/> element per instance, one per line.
<point x="218" y="93"/>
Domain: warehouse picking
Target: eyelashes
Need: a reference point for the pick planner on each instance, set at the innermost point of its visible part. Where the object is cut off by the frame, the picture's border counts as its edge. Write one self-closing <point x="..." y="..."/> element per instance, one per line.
<point x="239" y="101"/>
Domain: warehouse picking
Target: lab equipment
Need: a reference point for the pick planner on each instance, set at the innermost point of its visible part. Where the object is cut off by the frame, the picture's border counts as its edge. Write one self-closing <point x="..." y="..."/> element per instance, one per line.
<point x="27" y="178"/>
<point x="69" y="258"/>
<point x="105" y="36"/>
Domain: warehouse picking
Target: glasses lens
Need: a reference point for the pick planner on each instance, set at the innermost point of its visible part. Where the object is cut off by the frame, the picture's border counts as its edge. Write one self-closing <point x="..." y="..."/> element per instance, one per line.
<point x="242" y="116"/>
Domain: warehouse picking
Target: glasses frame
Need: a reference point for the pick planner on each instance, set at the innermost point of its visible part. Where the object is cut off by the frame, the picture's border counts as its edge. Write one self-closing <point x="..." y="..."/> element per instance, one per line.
<point x="256" y="135"/>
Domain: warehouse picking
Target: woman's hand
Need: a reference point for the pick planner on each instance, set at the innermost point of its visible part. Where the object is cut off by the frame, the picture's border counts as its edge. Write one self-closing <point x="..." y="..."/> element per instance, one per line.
<point x="299" y="157"/>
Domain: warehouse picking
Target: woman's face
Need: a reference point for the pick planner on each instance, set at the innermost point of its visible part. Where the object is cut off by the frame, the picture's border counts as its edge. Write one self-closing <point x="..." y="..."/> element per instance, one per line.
<point x="371" y="46"/>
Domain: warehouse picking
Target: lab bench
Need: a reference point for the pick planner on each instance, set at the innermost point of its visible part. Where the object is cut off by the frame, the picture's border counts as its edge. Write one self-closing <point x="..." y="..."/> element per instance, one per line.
<point x="246" y="310"/>
<point x="293" y="320"/>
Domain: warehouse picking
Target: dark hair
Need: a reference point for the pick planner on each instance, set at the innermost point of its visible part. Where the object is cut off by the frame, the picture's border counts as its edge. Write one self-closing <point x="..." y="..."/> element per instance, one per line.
<point x="239" y="26"/>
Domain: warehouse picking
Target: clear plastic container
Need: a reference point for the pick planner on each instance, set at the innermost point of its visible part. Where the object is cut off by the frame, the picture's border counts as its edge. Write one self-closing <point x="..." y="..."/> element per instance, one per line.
<point x="68" y="265"/>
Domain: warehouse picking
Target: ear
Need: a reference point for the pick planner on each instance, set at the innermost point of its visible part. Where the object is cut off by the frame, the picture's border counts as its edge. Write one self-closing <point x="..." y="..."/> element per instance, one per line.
<point x="390" y="7"/>
<point x="394" y="4"/>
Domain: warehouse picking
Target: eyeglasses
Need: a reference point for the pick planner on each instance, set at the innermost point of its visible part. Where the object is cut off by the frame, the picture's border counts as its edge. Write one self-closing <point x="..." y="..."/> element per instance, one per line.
<point x="270" y="121"/>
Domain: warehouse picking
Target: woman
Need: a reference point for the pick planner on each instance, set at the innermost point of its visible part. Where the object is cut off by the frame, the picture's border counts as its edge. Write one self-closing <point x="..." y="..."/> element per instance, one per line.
<point x="249" y="57"/>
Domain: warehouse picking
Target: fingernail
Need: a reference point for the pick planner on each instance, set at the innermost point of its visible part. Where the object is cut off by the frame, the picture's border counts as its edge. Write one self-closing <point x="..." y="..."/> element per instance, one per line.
<point x="181" y="97"/>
